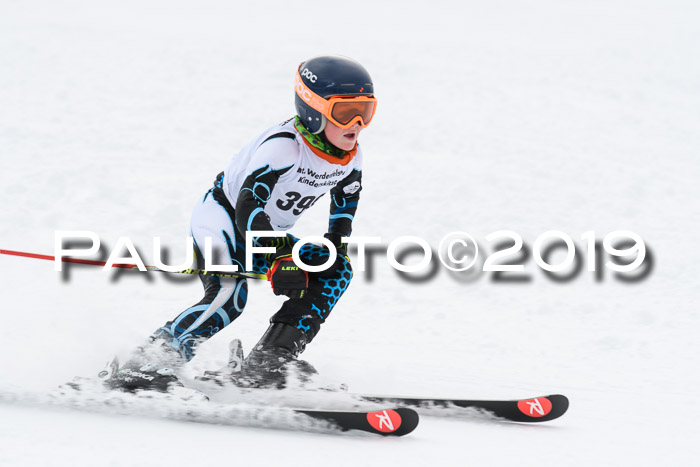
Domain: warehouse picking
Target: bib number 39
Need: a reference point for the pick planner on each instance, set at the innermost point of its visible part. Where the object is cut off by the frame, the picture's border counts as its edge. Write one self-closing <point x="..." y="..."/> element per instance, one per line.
<point x="295" y="201"/>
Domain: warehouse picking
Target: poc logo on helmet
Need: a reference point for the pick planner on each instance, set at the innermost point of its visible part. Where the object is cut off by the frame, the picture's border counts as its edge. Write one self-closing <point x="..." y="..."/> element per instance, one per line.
<point x="306" y="73"/>
<point x="301" y="89"/>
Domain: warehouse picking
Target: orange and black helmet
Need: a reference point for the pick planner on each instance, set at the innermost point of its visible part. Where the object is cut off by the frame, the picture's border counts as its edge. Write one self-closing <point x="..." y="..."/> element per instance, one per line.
<point x="333" y="88"/>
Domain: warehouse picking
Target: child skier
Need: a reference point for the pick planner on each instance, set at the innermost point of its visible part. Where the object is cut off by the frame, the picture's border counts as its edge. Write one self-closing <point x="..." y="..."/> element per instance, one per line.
<point x="267" y="186"/>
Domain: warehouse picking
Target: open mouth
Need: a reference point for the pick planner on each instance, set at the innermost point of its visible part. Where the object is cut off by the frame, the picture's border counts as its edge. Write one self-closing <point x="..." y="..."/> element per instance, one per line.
<point x="350" y="136"/>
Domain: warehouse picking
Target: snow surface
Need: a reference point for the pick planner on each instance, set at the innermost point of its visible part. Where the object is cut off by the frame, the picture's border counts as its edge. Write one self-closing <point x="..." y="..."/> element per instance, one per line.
<point x="527" y="116"/>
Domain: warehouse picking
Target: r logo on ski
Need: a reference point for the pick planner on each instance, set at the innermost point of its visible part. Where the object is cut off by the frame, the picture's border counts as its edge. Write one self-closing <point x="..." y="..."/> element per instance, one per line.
<point x="384" y="421"/>
<point x="535" y="408"/>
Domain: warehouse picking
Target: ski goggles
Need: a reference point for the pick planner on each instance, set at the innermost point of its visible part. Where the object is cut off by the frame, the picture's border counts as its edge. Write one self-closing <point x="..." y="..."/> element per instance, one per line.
<point x="343" y="111"/>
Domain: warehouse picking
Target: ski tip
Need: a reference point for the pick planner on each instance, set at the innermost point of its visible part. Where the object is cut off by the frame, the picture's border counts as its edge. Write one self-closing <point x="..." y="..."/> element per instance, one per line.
<point x="409" y="421"/>
<point x="561" y="401"/>
<point x="542" y="409"/>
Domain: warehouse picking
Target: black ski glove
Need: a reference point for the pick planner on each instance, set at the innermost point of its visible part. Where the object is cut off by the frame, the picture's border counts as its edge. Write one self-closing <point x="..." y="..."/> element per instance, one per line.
<point x="341" y="248"/>
<point x="286" y="278"/>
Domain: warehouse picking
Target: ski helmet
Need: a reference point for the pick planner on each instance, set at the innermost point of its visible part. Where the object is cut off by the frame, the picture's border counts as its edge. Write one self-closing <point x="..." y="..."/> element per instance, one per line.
<point x="322" y="78"/>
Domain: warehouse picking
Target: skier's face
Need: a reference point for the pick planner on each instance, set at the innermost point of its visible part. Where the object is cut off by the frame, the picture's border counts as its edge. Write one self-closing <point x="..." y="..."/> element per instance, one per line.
<point x="344" y="139"/>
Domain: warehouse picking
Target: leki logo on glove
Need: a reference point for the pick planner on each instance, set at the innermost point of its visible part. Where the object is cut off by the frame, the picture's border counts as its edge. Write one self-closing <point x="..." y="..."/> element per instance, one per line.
<point x="535" y="407"/>
<point x="385" y="421"/>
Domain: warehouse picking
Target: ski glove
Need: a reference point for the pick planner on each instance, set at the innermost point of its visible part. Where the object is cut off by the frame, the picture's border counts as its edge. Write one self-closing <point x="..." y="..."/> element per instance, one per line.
<point x="287" y="278"/>
<point x="340" y="247"/>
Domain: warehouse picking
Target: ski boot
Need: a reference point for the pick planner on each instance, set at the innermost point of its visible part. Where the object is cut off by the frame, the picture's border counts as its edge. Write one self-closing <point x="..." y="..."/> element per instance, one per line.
<point x="151" y="367"/>
<point x="273" y="361"/>
<point x="222" y="376"/>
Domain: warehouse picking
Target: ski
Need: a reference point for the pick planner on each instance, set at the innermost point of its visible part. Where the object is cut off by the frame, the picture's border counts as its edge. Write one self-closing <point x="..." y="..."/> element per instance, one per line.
<point x="538" y="409"/>
<point x="187" y="403"/>
<point x="387" y="422"/>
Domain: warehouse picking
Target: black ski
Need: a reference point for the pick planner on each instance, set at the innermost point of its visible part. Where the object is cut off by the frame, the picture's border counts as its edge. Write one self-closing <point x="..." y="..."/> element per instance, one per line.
<point x="384" y="422"/>
<point x="388" y="422"/>
<point x="538" y="409"/>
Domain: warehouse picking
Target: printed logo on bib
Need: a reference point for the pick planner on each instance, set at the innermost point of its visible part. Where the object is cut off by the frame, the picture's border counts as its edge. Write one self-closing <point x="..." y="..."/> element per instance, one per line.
<point x="385" y="421"/>
<point x="535" y="407"/>
<point x="309" y="176"/>
<point x="352" y="188"/>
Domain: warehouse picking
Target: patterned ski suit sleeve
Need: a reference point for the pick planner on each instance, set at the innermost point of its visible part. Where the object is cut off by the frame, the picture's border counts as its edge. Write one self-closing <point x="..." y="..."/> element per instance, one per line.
<point x="272" y="160"/>
<point x="344" y="198"/>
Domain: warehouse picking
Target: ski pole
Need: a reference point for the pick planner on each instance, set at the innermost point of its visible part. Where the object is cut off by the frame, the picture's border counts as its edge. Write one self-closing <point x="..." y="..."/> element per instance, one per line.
<point x="199" y="272"/>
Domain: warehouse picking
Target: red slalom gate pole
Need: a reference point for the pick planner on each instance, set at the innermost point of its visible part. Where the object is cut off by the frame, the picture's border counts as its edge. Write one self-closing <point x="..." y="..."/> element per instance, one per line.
<point x="91" y="262"/>
<point x="202" y="272"/>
